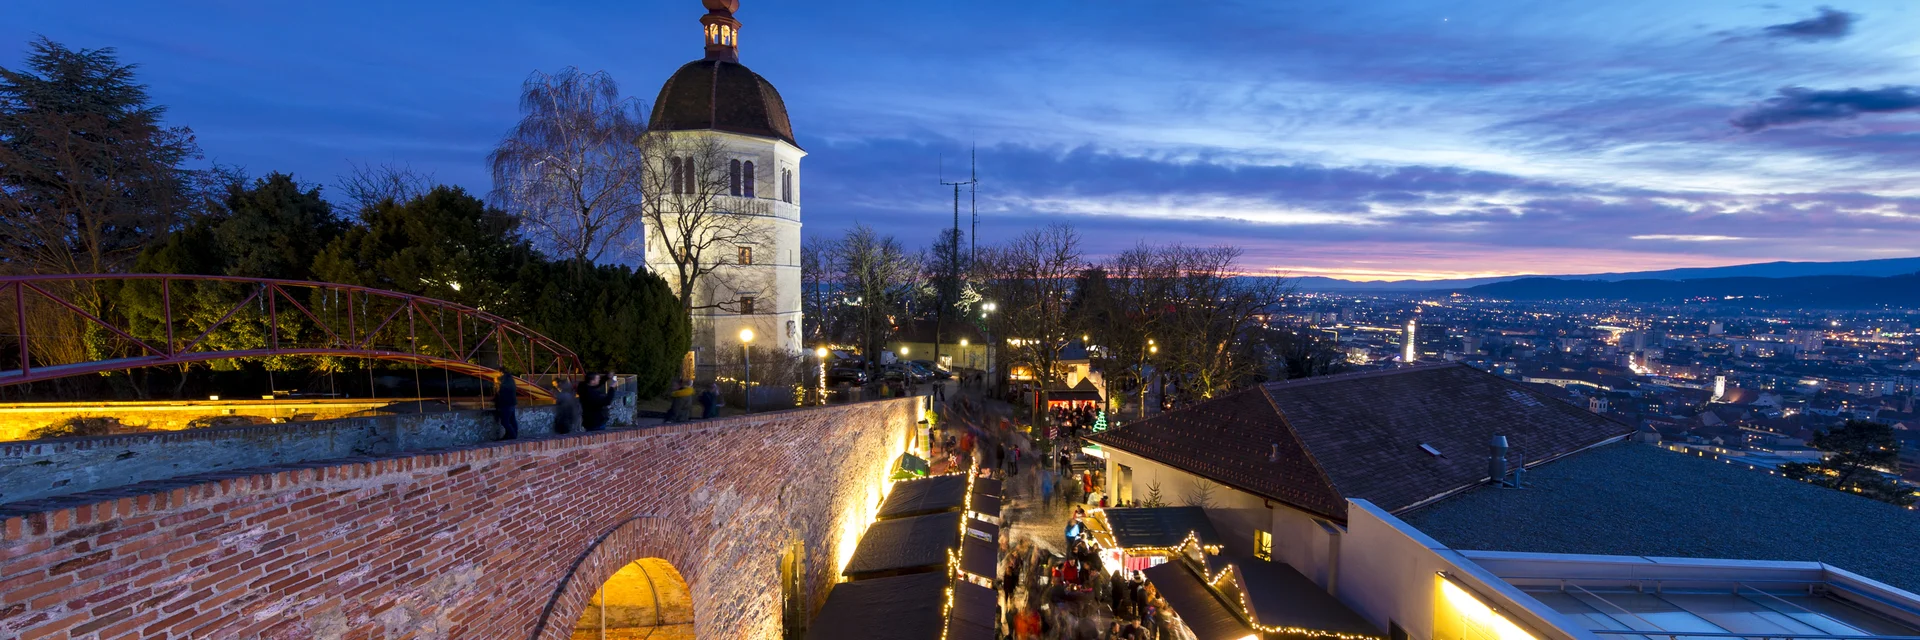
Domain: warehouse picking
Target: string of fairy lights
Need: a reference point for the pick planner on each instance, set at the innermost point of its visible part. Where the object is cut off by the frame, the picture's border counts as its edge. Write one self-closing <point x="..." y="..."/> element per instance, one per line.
<point x="1246" y="611"/>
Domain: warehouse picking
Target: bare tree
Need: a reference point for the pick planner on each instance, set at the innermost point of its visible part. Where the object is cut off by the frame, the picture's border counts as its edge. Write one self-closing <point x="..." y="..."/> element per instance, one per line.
<point x="1132" y="315"/>
<point x="816" y="283"/>
<point x="571" y="169"/>
<point x="1031" y="279"/>
<point x="367" y="185"/>
<point x="690" y="218"/>
<point x="1213" y="308"/>
<point x="877" y="277"/>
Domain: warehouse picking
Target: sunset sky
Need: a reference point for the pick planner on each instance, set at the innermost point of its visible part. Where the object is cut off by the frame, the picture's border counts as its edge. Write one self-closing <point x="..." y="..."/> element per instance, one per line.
<point x="1365" y="140"/>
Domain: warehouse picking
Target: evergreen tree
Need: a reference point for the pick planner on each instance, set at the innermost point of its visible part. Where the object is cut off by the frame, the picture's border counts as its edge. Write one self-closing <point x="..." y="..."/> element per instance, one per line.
<point x="1861" y="453"/>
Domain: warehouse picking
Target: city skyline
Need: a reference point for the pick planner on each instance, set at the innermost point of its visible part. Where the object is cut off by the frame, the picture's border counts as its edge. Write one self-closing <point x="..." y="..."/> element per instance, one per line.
<point x="1389" y="141"/>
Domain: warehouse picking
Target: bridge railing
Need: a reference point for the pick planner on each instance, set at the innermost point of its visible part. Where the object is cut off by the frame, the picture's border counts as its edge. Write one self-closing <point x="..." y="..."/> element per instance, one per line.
<point x="68" y="325"/>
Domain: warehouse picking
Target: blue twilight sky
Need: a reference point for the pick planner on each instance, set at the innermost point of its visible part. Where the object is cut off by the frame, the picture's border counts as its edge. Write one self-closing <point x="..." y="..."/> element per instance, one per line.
<point x="1378" y="139"/>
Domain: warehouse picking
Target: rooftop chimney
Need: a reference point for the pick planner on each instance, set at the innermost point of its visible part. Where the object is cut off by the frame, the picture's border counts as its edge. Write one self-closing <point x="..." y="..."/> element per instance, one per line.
<point x="1497" y="460"/>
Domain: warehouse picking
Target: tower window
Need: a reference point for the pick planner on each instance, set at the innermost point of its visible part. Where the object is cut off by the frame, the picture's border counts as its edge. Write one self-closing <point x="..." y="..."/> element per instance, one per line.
<point x="1262" y="545"/>
<point x="786" y="186"/>
<point x="678" y="174"/>
<point x="746" y="255"/>
<point x="746" y="178"/>
<point x="746" y="305"/>
<point x="733" y="178"/>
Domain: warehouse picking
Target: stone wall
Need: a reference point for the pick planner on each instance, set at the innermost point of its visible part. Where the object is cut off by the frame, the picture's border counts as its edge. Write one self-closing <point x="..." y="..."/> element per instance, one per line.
<point x="499" y="540"/>
<point x="36" y="469"/>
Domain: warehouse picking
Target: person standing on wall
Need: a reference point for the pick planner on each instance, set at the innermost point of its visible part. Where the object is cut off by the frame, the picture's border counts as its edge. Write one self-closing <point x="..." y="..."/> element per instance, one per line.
<point x="710" y="401"/>
<point x="594" y="399"/>
<point x="506" y="405"/>
<point x="566" y="407"/>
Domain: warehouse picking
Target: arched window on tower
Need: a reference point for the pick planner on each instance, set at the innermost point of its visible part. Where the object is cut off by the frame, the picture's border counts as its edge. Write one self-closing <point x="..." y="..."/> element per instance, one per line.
<point x="786" y="186"/>
<point x="677" y="174"/>
<point x="746" y="178"/>
<point x="733" y="178"/>
<point x="689" y="175"/>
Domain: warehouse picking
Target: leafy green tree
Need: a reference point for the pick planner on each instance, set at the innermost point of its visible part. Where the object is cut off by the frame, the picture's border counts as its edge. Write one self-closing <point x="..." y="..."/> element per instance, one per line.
<point x="444" y="244"/>
<point x="272" y="228"/>
<point x="276" y="229"/>
<point x="614" y="318"/>
<point x="1860" y="454"/>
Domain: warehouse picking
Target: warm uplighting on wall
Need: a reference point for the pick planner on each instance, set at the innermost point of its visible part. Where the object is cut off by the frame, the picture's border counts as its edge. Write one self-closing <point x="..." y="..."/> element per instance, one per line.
<point x="1462" y="615"/>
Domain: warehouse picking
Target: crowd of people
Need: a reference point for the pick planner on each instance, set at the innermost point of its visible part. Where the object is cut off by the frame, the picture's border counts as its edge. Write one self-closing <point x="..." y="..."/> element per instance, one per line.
<point x="1046" y="594"/>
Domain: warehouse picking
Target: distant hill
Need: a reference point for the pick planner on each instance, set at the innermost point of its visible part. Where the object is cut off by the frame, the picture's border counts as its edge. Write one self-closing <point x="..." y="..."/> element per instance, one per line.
<point x="1822" y="292"/>
<point x="1877" y="268"/>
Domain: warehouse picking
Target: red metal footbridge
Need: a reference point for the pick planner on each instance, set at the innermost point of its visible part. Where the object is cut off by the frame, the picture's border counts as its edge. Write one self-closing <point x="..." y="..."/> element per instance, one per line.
<point x="172" y="319"/>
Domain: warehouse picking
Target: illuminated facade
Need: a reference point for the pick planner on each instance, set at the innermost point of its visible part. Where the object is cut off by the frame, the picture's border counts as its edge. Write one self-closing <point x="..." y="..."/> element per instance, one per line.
<point x="757" y="285"/>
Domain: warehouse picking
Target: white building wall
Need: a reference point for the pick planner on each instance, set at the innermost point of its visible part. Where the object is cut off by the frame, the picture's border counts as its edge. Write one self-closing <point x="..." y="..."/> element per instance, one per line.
<point x="1308" y="543"/>
<point x="1389" y="574"/>
<point x="773" y="280"/>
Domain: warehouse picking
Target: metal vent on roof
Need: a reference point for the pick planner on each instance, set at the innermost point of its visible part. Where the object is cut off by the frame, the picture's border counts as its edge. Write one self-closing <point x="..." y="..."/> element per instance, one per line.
<point x="1522" y="398"/>
<point x="1429" y="449"/>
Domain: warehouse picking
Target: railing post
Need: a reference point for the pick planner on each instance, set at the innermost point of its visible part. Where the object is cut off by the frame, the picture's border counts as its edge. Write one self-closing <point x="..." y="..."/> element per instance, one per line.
<point x="166" y="305"/>
<point x="273" y="316"/>
<point x="20" y="316"/>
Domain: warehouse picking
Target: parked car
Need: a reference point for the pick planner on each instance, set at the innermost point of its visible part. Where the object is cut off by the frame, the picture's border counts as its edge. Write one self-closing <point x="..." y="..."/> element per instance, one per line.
<point x="847" y="376"/>
<point x="937" y="372"/>
<point x="905" y="372"/>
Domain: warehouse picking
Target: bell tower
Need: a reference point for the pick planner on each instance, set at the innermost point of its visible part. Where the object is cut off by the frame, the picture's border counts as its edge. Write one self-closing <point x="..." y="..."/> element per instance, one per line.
<point x="723" y="31"/>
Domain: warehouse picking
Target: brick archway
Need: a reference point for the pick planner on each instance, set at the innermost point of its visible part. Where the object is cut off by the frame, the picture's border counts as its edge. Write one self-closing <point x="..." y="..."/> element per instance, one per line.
<point x="636" y="537"/>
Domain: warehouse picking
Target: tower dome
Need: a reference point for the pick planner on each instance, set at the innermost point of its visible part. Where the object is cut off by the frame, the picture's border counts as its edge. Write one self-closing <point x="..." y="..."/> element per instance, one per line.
<point x="719" y="93"/>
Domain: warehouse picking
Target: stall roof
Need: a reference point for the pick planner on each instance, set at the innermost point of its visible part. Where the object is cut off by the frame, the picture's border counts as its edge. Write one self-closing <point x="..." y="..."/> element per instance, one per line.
<point x="983" y="529"/>
<point x="1281" y="597"/>
<point x="1160" y="526"/>
<point x="987" y="487"/>
<point x="909" y="466"/>
<point x="905" y="545"/>
<point x="979" y="557"/>
<point x="986" y="505"/>
<point x="1198" y="609"/>
<point x="1085" y="391"/>
<point x="974" y="611"/>
<point x="904" y="608"/>
<point x="923" y="496"/>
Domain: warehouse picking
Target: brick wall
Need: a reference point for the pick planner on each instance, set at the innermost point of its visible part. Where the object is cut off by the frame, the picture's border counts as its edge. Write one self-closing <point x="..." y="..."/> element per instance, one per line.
<point x="493" y="541"/>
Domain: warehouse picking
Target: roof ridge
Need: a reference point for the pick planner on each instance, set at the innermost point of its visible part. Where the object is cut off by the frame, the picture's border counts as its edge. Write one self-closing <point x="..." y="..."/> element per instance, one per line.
<point x="1371" y="373"/>
<point x="1287" y="425"/>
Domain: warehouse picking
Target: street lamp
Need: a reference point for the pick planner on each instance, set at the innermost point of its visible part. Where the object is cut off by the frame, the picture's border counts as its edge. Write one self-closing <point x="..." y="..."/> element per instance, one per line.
<point x="820" y="355"/>
<point x="746" y="369"/>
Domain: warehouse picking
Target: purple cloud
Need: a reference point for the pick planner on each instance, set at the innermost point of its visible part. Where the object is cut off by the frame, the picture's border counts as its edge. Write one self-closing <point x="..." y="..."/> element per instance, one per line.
<point x="1800" y="104"/>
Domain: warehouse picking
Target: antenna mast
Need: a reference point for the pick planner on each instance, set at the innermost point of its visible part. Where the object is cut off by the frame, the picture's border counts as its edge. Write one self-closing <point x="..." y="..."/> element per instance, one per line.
<point x="953" y="260"/>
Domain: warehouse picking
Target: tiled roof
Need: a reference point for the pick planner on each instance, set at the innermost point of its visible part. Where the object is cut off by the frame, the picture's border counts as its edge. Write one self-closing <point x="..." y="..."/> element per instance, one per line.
<point x="724" y="96"/>
<point x="1314" y="442"/>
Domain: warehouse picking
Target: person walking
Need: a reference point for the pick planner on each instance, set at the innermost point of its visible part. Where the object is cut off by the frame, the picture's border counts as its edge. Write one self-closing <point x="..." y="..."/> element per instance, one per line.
<point x="506" y="406"/>
<point x="680" y="402"/>
<point x="594" y="400"/>
<point x="566" y="407"/>
<point x="1046" y="489"/>
<point x="710" y="401"/>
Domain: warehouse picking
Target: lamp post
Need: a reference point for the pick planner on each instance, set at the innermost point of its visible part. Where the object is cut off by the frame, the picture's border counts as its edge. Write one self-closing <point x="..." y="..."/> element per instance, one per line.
<point x="746" y="369"/>
<point x="1152" y="350"/>
<point x="820" y="355"/>
<point x="992" y="348"/>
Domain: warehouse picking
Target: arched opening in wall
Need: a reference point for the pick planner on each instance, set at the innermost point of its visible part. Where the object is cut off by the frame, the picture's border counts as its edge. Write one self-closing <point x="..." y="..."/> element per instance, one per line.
<point x="647" y="598"/>
<point x="793" y="588"/>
